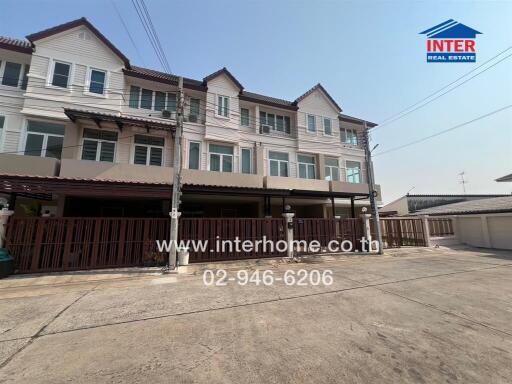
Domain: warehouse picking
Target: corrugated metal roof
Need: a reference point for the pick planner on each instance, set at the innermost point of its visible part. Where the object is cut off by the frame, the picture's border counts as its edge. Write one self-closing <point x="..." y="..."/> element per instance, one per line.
<point x="492" y="205"/>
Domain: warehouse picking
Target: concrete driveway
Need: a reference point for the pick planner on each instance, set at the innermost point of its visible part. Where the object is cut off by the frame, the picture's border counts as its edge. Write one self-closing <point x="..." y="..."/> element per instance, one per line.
<point x="419" y="316"/>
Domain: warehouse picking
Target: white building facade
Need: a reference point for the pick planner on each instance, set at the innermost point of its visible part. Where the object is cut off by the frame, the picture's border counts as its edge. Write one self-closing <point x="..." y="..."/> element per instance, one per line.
<point x="85" y="133"/>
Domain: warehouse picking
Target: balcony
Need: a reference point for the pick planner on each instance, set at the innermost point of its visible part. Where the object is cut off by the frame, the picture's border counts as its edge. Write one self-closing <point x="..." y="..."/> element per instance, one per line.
<point x="222" y="179"/>
<point x="88" y="169"/>
<point x="28" y="165"/>
<point x="277" y="182"/>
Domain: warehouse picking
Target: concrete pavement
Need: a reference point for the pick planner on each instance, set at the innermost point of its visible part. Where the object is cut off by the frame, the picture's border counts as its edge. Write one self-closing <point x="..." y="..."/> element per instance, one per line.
<point x="420" y="316"/>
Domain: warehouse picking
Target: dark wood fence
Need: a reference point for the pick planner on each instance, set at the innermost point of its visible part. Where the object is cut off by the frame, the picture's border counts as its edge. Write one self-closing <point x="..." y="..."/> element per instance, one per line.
<point x="326" y="230"/>
<point x="217" y="231"/>
<point x="440" y="227"/>
<point x="399" y="232"/>
<point x="60" y="244"/>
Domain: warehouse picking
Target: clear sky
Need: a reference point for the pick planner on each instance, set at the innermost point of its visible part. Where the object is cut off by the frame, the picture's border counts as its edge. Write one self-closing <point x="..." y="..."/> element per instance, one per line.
<point x="368" y="55"/>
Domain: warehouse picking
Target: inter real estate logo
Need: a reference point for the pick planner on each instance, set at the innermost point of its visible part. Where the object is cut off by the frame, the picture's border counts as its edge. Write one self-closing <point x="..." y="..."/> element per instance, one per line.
<point x="451" y="42"/>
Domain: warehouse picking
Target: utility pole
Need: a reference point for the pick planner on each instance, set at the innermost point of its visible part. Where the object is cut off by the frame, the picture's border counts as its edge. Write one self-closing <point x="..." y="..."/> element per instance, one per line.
<point x="463" y="181"/>
<point x="371" y="186"/>
<point x="176" y="184"/>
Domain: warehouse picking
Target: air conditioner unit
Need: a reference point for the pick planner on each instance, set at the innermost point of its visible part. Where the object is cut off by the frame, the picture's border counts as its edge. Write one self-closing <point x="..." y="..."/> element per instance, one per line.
<point x="166" y="114"/>
<point x="264" y="128"/>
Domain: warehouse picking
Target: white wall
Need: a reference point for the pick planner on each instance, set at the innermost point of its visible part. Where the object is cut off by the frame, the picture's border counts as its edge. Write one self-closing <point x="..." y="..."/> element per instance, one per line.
<point x="487" y="231"/>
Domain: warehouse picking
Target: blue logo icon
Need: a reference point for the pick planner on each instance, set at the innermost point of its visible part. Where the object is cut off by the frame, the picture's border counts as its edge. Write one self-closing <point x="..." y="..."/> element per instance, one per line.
<point x="451" y="42"/>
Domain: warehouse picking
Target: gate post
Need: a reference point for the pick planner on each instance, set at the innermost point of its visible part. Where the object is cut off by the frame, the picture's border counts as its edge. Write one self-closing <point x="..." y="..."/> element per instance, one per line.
<point x="288" y="218"/>
<point x="4" y="218"/>
<point x="367" y="232"/>
<point x="426" y="230"/>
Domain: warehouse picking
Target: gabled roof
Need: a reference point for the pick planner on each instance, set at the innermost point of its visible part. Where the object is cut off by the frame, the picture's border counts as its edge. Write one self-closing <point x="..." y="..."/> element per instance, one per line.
<point x="451" y="29"/>
<point x="504" y="178"/>
<point x="17" y="45"/>
<point x="351" y="119"/>
<point x="73" y="24"/>
<point x="322" y="89"/>
<point x="223" y="71"/>
<point x="162" y="77"/>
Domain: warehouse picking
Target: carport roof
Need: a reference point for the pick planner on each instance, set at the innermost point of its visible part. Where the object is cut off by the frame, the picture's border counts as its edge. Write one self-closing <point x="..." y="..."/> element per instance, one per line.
<point x="494" y="205"/>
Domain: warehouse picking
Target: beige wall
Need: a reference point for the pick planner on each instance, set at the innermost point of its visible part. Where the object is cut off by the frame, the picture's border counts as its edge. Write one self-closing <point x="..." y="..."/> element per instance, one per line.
<point x="487" y="231"/>
<point x="28" y="165"/>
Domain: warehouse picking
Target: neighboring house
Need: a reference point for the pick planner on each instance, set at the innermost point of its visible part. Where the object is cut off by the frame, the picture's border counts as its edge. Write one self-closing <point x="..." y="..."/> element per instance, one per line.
<point x="481" y="223"/>
<point x="87" y="133"/>
<point x="505" y="179"/>
<point x="409" y="203"/>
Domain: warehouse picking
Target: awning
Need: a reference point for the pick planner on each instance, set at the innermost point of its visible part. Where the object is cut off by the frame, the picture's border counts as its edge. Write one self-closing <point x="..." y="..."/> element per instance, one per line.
<point x="120" y="120"/>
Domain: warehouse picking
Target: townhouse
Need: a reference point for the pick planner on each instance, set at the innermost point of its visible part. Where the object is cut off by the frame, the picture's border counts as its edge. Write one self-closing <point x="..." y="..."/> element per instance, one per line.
<point x="83" y="132"/>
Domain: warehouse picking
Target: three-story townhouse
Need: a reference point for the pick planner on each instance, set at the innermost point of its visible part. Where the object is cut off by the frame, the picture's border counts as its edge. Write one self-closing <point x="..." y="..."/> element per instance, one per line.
<point x="85" y="133"/>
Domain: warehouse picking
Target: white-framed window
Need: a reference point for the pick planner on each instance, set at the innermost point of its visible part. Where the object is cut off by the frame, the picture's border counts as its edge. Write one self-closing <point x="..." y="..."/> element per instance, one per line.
<point x="246" y="162"/>
<point x="24" y="81"/>
<point x="194" y="155"/>
<point x="221" y="158"/>
<point x="11" y="75"/>
<point x="172" y="102"/>
<point x="306" y="165"/>
<point x="349" y="136"/>
<point x="353" y="171"/>
<point x="60" y="74"/>
<point x="327" y="126"/>
<point x="146" y="99"/>
<point x="223" y="106"/>
<point x="332" y="169"/>
<point x="160" y="101"/>
<point x="311" y="123"/>
<point x="143" y="98"/>
<point x="97" y="81"/>
<point x="195" y="105"/>
<point x="99" y="145"/>
<point x="276" y="122"/>
<point x="134" y="97"/>
<point x="244" y="117"/>
<point x="44" y="139"/>
<point x="278" y="163"/>
<point x="149" y="150"/>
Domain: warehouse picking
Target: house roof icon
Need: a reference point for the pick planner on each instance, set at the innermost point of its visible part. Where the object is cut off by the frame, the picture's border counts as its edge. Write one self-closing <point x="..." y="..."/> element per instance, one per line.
<point x="451" y="29"/>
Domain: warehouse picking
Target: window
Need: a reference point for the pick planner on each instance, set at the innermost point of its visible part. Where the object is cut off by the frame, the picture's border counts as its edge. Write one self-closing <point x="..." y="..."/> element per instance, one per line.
<point x="194" y="155"/>
<point x="146" y="99"/>
<point x="353" y="172"/>
<point x="306" y="166"/>
<point x="332" y="170"/>
<point x="221" y="158"/>
<point x="24" y="82"/>
<point x="12" y="72"/>
<point x="99" y="145"/>
<point x="148" y="150"/>
<point x="349" y="136"/>
<point x="44" y="139"/>
<point x="311" y="123"/>
<point x="61" y="74"/>
<point x="159" y="101"/>
<point x="223" y="106"/>
<point x="246" y="160"/>
<point x="327" y="126"/>
<point x="134" y="97"/>
<point x="97" y="82"/>
<point x="277" y="122"/>
<point x="244" y="117"/>
<point x="278" y="163"/>
<point x="171" y="102"/>
<point x="194" y="110"/>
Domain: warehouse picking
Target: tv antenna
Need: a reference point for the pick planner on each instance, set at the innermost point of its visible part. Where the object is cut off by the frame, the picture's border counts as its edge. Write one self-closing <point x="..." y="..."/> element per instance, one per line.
<point x="463" y="181"/>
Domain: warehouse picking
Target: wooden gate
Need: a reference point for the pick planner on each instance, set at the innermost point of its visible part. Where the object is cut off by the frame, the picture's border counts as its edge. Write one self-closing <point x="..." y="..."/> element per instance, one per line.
<point x="66" y="243"/>
<point x="326" y="230"/>
<point x="224" y="231"/>
<point x="399" y="232"/>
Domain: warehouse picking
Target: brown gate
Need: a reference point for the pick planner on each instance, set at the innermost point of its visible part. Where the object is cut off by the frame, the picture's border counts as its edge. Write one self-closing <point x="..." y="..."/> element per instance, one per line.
<point x="60" y="244"/>
<point x="326" y="230"/>
<point x="217" y="231"/>
<point x="399" y="232"/>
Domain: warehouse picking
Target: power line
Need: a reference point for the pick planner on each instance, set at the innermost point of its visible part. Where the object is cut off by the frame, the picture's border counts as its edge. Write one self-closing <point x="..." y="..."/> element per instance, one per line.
<point x="128" y="32"/>
<point x="444" y="131"/>
<point x="442" y="94"/>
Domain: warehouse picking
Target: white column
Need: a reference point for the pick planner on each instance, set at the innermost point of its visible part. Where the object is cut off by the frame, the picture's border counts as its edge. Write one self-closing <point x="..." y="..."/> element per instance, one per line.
<point x="367" y="229"/>
<point x="288" y="216"/>
<point x="4" y="218"/>
<point x="426" y="229"/>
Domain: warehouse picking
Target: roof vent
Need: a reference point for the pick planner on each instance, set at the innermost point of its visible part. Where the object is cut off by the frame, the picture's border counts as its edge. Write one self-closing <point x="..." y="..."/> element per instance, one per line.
<point x="84" y="35"/>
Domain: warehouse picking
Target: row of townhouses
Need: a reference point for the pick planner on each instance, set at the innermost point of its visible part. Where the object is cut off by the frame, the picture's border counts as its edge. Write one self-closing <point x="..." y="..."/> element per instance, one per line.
<point x="85" y="133"/>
